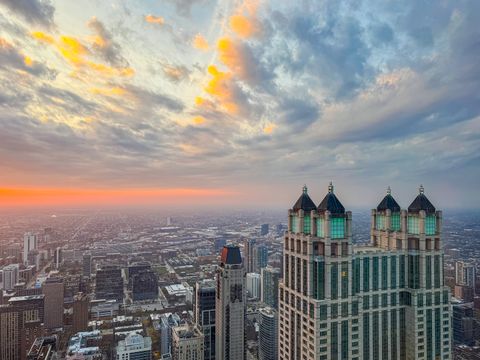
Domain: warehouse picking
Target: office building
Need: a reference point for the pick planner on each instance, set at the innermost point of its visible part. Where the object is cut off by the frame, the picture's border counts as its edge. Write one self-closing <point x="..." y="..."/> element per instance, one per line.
<point x="465" y="274"/>
<point x="248" y="255"/>
<point x="80" y="312"/>
<point x="263" y="229"/>
<point x="261" y="257"/>
<point x="10" y="277"/>
<point x="253" y="285"/>
<point x="144" y="285"/>
<point x="57" y="257"/>
<point x="53" y="290"/>
<point x="109" y="283"/>
<point x="268" y="335"/>
<point x="166" y="323"/>
<point x="87" y="265"/>
<point x="134" y="347"/>
<point x="219" y="244"/>
<point x="29" y="244"/>
<point x="386" y="300"/>
<point x="269" y="280"/>
<point x="230" y="306"/>
<point x="464" y="324"/>
<point x="204" y="313"/>
<point x="43" y="348"/>
<point x="187" y="343"/>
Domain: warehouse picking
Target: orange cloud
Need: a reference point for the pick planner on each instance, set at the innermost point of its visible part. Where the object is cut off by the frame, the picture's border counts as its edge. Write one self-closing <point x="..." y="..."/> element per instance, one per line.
<point x="199" y="42"/>
<point x="268" y="129"/>
<point x="245" y="23"/>
<point x="96" y="197"/>
<point x="219" y="87"/>
<point x="198" y="120"/>
<point x="74" y="52"/>
<point x="230" y="55"/>
<point x="152" y="19"/>
<point x="112" y="91"/>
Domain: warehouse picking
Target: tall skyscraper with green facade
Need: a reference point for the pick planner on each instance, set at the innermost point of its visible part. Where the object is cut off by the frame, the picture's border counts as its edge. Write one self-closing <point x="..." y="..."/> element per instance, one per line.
<point x="385" y="300"/>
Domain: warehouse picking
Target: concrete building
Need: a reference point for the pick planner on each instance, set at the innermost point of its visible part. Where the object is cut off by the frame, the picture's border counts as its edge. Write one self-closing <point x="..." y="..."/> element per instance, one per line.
<point x="134" y="347"/>
<point x="80" y="312"/>
<point x="382" y="301"/>
<point x="166" y="323"/>
<point x="10" y="277"/>
<point x="261" y="257"/>
<point x="269" y="280"/>
<point x="30" y="242"/>
<point x="465" y="274"/>
<point x="464" y="324"/>
<point x="57" y="257"/>
<point x="204" y="313"/>
<point x="43" y="348"/>
<point x="253" y="285"/>
<point x="249" y="255"/>
<point x="187" y="343"/>
<point x="268" y="335"/>
<point x="230" y="306"/>
<point x="144" y="285"/>
<point x="53" y="290"/>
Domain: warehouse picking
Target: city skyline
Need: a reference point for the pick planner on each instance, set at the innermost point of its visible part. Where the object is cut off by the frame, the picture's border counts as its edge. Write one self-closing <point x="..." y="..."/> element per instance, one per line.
<point x="237" y="102"/>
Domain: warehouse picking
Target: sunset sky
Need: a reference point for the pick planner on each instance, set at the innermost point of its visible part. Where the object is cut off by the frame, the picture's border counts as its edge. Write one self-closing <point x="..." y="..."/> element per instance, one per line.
<point x="238" y="102"/>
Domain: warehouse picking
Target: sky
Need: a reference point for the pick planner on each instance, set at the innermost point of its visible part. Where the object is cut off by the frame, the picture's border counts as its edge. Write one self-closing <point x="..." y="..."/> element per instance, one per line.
<point x="238" y="103"/>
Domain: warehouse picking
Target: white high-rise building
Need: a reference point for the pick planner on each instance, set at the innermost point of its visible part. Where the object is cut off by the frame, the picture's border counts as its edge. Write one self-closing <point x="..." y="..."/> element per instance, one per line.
<point x="134" y="347"/>
<point x="465" y="274"/>
<point x="29" y="244"/>
<point x="10" y="276"/>
<point x="253" y="285"/>
<point x="187" y="343"/>
<point x="385" y="300"/>
<point x="230" y="306"/>
<point x="268" y="335"/>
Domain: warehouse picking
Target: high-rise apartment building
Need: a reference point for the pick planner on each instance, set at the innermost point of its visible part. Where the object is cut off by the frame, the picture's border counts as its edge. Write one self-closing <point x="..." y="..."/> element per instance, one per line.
<point x="29" y="244"/>
<point x="87" y="265"/>
<point x="386" y="300"/>
<point x="269" y="280"/>
<point x="465" y="274"/>
<point x="249" y="255"/>
<point x="53" y="290"/>
<point x="230" y="306"/>
<point x="80" y="312"/>
<point x="263" y="229"/>
<point x="253" y="285"/>
<point x="204" y="313"/>
<point x="10" y="276"/>
<point x="268" y="335"/>
<point x="134" y="347"/>
<point x="187" y="343"/>
<point x="261" y="257"/>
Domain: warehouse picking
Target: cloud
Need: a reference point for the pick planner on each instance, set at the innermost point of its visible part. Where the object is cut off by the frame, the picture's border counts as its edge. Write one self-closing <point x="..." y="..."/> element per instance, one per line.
<point x="199" y="42"/>
<point x="244" y="23"/>
<point x="152" y="19"/>
<point x="104" y="45"/>
<point x="175" y="73"/>
<point x="38" y="12"/>
<point x="184" y="7"/>
<point x="77" y="54"/>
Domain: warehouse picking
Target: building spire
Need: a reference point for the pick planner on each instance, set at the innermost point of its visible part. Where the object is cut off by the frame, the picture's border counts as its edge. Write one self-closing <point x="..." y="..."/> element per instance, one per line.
<point x="330" y="187"/>
<point x="421" y="189"/>
<point x="305" y="189"/>
<point x="389" y="191"/>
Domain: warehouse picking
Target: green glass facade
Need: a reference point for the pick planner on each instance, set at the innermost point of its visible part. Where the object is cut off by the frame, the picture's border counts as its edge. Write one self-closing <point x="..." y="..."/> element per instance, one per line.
<point x="430" y="225"/>
<point x="337" y="227"/>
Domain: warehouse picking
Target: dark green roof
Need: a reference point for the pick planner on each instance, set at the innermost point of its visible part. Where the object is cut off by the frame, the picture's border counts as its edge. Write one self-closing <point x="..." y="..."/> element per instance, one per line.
<point x="388" y="203"/>
<point x="331" y="203"/>
<point x="421" y="203"/>
<point x="304" y="202"/>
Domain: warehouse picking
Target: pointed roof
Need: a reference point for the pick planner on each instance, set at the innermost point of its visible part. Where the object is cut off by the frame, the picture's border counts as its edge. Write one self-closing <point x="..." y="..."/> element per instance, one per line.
<point x="331" y="203"/>
<point x="421" y="203"/>
<point x="304" y="202"/>
<point x="231" y="255"/>
<point x="388" y="203"/>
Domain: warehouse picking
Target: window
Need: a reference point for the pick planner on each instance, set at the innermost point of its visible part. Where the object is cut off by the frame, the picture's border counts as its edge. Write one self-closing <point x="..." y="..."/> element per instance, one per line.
<point x="334" y="280"/>
<point x="375" y="274"/>
<point x="395" y="219"/>
<point x="428" y="271"/>
<point x="430" y="225"/>
<point x="306" y="224"/>
<point x="294" y="223"/>
<point x="337" y="227"/>
<point x="366" y="274"/>
<point x="393" y="272"/>
<point x="380" y="222"/>
<point x="413" y="227"/>
<point x="384" y="273"/>
<point x="344" y="276"/>
<point x="320" y="227"/>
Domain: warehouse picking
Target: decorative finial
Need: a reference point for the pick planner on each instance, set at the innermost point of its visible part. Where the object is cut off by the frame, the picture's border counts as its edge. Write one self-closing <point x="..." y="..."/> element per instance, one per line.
<point x="330" y="187"/>
<point x="421" y="189"/>
<point x="389" y="191"/>
<point x="305" y="189"/>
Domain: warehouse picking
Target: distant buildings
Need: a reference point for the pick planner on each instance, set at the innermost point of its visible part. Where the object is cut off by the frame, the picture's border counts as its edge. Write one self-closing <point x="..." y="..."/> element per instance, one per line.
<point x="87" y="265"/>
<point x="53" y="288"/>
<point x="248" y="255"/>
<point x="43" y="348"/>
<point x="166" y="323"/>
<point x="269" y="280"/>
<point x="263" y="229"/>
<point x="10" y="276"/>
<point x="204" y="315"/>
<point x="253" y="285"/>
<point x="80" y="312"/>
<point x="30" y="242"/>
<point x="134" y="347"/>
<point x="465" y="326"/>
<point x="85" y="346"/>
<point x="109" y="283"/>
<point x="187" y="343"/>
<point x="261" y="257"/>
<point x="230" y="306"/>
<point x="268" y="335"/>
<point x="465" y="274"/>
<point x="144" y="286"/>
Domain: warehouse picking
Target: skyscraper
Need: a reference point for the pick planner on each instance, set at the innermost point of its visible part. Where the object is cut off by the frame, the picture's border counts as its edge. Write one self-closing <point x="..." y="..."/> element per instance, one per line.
<point x="248" y="255"/>
<point x="269" y="280"/>
<point x="80" y="312"/>
<point x="10" y="276"/>
<point x="263" y="229"/>
<point x="109" y="283"/>
<point x="230" y="306"/>
<point x="87" y="265"/>
<point x="260" y="253"/>
<point x="268" y="335"/>
<point x="253" y="285"/>
<point x="204" y="312"/>
<point x="465" y="274"/>
<point x="29" y="244"/>
<point x="53" y="290"/>
<point x="386" y="300"/>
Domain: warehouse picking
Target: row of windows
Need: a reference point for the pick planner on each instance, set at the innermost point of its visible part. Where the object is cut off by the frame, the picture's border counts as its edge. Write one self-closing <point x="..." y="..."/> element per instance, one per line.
<point x="337" y="226"/>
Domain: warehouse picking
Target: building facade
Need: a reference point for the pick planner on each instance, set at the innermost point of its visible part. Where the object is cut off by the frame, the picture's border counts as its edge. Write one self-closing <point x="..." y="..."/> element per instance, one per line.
<point x="230" y="306"/>
<point x="386" y="300"/>
<point x="29" y="243"/>
<point x="134" y="347"/>
<point x="253" y="285"/>
<point x="109" y="283"/>
<point x="53" y="290"/>
<point x="204" y="312"/>
<point x="269" y="280"/>
<point x="187" y="343"/>
<point x="268" y="335"/>
<point x="249" y="255"/>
